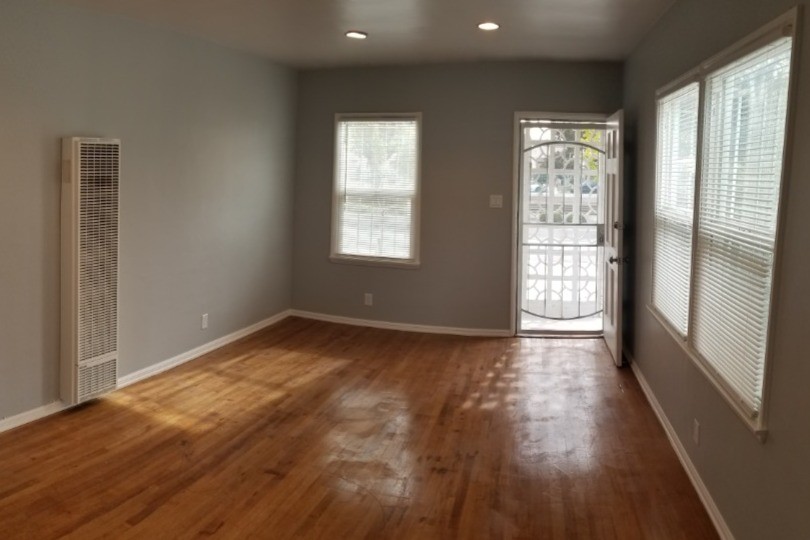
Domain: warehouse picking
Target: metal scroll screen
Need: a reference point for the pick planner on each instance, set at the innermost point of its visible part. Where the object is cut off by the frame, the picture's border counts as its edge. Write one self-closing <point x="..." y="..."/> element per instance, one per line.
<point x="562" y="220"/>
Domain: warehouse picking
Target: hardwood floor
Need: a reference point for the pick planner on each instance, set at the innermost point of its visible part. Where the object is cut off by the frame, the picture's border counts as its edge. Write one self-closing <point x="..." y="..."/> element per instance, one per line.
<point x="317" y="430"/>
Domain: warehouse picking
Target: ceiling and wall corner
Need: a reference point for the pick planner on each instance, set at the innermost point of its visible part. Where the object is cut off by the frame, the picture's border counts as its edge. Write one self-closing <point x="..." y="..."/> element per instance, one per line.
<point x="311" y="33"/>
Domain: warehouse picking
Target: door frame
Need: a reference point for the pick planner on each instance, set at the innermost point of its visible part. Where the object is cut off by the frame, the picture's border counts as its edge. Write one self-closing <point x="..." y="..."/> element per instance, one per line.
<point x="516" y="155"/>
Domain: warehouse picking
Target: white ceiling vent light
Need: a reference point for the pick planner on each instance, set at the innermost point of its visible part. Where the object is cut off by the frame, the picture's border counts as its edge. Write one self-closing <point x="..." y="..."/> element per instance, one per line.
<point x="89" y="325"/>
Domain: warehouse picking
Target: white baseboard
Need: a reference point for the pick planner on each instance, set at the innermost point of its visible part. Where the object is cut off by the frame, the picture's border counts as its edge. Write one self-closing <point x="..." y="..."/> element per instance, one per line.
<point x="187" y="356"/>
<point x="29" y="416"/>
<point x="425" y="329"/>
<point x="57" y="406"/>
<point x="680" y="451"/>
<point x="150" y="371"/>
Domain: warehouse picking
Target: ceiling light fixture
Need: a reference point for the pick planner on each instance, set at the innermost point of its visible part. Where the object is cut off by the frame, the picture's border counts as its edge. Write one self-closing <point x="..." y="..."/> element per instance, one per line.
<point x="489" y="26"/>
<point x="356" y="34"/>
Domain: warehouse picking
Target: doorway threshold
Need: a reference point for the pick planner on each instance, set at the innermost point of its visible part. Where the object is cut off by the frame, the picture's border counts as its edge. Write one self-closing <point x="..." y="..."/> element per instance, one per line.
<point x="560" y="335"/>
<point x="531" y="324"/>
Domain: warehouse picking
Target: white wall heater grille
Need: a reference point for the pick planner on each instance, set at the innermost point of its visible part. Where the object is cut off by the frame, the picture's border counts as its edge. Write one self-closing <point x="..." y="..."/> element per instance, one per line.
<point x="90" y="183"/>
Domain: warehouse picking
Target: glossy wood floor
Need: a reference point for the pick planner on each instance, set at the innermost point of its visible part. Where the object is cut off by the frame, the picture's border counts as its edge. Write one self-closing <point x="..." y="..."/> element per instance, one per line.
<point x="316" y="430"/>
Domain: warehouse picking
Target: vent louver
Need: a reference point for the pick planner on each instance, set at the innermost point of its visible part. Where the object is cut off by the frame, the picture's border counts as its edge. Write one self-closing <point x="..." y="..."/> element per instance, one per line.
<point x="90" y="267"/>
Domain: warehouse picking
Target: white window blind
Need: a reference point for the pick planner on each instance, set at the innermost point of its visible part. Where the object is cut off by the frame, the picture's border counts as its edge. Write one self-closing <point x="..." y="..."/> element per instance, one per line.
<point x="719" y="178"/>
<point x="745" y="115"/>
<point x="674" y="204"/>
<point x="376" y="189"/>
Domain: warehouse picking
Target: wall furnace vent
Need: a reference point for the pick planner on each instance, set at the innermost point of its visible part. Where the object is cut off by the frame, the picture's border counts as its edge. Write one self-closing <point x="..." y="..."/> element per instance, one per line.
<point x="90" y="183"/>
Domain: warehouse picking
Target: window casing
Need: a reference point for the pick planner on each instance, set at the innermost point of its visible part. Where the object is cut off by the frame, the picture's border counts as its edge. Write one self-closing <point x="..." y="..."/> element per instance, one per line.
<point x="375" y="205"/>
<point x="721" y="143"/>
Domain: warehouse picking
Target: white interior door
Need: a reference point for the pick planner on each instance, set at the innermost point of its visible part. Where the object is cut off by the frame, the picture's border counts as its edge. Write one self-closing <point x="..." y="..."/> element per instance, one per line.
<point x="614" y="228"/>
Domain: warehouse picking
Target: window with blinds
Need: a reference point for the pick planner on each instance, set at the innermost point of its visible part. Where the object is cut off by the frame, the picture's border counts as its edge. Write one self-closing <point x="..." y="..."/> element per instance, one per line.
<point x="674" y="204"/>
<point x="376" y="190"/>
<point x="744" y="136"/>
<point x="714" y="250"/>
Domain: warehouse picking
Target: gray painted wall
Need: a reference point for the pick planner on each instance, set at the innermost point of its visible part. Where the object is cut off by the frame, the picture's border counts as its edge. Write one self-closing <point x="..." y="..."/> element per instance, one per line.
<point x="763" y="490"/>
<point x="467" y="154"/>
<point x="206" y="185"/>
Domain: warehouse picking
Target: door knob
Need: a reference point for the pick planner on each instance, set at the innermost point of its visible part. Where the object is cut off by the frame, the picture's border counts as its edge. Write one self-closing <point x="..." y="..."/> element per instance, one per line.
<point x="621" y="260"/>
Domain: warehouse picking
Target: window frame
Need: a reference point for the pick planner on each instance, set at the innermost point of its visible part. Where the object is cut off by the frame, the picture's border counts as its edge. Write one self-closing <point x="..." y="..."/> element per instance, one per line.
<point x="784" y="26"/>
<point x="365" y="260"/>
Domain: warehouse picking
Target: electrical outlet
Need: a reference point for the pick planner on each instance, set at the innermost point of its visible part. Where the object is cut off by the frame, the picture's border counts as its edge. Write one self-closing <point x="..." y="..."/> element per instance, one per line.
<point x="696" y="432"/>
<point x="204" y="321"/>
<point x="368" y="299"/>
<point x="496" y="201"/>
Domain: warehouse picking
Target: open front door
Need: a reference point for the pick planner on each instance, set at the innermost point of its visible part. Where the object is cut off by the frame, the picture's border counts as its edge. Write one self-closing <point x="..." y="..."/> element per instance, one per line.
<point x="614" y="228"/>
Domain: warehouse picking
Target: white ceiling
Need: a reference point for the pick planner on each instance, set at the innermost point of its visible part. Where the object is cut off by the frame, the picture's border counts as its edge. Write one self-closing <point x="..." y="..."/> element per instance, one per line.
<point x="307" y="33"/>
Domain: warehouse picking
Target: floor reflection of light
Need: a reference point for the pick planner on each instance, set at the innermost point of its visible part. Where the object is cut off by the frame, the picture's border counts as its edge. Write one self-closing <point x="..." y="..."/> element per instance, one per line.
<point x="370" y="437"/>
<point x="228" y="376"/>
<point x="489" y="405"/>
<point x="558" y="422"/>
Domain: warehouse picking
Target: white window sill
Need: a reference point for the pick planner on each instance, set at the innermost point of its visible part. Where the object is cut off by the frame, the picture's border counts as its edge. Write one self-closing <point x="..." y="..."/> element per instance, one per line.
<point x="375" y="261"/>
<point x="755" y="425"/>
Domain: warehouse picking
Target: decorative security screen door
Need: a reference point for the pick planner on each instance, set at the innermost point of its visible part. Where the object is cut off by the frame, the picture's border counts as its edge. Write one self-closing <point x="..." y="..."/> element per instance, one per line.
<point x="561" y="217"/>
<point x="614" y="216"/>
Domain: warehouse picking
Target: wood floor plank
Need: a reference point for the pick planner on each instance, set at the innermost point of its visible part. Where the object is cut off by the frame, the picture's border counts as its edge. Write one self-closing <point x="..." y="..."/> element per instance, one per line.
<point x="317" y="430"/>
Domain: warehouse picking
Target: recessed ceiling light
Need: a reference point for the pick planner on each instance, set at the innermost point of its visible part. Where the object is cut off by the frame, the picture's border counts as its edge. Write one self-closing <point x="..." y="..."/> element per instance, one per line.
<point x="356" y="34"/>
<point x="489" y="26"/>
